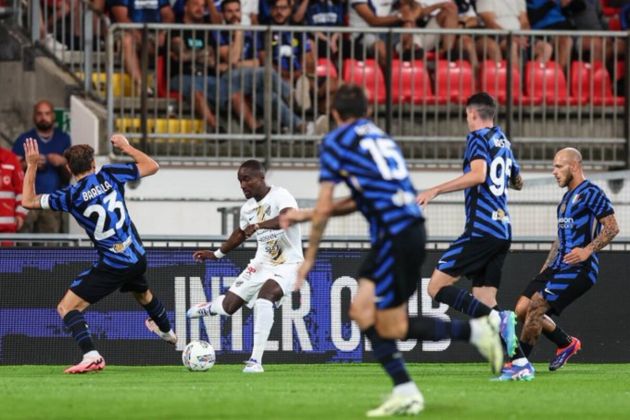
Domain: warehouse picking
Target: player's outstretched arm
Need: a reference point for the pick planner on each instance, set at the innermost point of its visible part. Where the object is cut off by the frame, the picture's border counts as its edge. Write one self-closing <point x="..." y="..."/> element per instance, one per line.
<point x="146" y="165"/>
<point x="476" y="176"/>
<point x="236" y="238"/>
<point x="341" y="207"/>
<point x="322" y="212"/>
<point x="31" y="155"/>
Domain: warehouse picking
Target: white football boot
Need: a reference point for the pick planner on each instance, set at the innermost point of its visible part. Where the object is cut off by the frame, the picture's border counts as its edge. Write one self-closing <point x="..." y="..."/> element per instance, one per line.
<point x="169" y="337"/>
<point x="252" y="366"/>
<point x="200" y="310"/>
<point x="488" y="341"/>
<point x="399" y="405"/>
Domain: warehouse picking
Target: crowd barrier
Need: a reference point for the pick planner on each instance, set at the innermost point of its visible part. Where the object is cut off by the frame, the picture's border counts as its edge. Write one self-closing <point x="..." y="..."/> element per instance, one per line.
<point x="312" y="327"/>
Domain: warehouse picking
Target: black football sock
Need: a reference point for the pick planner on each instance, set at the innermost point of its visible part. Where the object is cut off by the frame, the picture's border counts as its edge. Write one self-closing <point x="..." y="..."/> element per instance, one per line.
<point x="435" y="329"/>
<point x="558" y="337"/>
<point x="386" y="352"/>
<point x="462" y="301"/>
<point x="75" y="323"/>
<point x="157" y="312"/>
<point x="526" y="348"/>
<point x="518" y="354"/>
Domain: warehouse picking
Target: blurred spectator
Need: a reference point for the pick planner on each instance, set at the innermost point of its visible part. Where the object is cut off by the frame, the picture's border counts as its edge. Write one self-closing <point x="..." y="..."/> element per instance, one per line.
<point x="245" y="80"/>
<point x="512" y="15"/>
<point x="486" y="47"/>
<point x="547" y="15"/>
<point x="51" y="171"/>
<point x="367" y="13"/>
<point x="211" y="10"/>
<point x="439" y="14"/>
<point x="193" y="64"/>
<point x="12" y="213"/>
<point x="586" y="15"/>
<point x="325" y="13"/>
<point x="139" y="11"/>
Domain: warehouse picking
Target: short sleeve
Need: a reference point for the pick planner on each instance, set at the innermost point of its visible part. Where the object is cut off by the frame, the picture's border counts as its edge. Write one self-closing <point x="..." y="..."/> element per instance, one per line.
<point x="484" y="6"/>
<point x="122" y="172"/>
<point x="355" y="3"/>
<point x="522" y="6"/>
<point x="285" y="200"/>
<point x="123" y="3"/>
<point x="599" y="204"/>
<point x="58" y="201"/>
<point x="330" y="163"/>
<point x="477" y="148"/>
<point x="243" y="222"/>
<point x="164" y="3"/>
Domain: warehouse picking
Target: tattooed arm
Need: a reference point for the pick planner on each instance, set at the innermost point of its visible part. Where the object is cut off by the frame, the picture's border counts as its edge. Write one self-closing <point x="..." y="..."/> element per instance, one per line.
<point x="552" y="254"/>
<point x="610" y="229"/>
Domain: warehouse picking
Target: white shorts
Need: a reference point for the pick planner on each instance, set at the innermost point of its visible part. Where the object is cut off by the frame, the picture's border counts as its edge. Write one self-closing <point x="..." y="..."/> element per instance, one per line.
<point x="251" y="280"/>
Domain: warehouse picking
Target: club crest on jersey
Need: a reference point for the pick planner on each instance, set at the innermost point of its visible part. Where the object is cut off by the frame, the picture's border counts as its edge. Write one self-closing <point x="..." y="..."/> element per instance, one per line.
<point x="563" y="207"/>
<point x="501" y="216"/>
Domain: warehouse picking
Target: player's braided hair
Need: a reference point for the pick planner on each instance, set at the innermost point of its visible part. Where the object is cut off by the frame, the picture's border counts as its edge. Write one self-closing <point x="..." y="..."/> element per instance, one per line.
<point x="80" y="158"/>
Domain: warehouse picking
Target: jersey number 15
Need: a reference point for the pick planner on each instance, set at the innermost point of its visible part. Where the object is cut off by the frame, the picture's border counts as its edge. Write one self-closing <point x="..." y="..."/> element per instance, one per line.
<point x="381" y="150"/>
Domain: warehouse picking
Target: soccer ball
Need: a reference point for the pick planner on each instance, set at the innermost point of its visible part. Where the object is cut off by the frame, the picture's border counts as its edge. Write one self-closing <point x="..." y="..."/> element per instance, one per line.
<point x="198" y="356"/>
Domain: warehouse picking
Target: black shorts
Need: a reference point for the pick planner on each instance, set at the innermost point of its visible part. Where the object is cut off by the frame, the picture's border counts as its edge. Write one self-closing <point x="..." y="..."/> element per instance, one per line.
<point x="479" y="259"/>
<point x="560" y="288"/>
<point x="101" y="280"/>
<point x="394" y="264"/>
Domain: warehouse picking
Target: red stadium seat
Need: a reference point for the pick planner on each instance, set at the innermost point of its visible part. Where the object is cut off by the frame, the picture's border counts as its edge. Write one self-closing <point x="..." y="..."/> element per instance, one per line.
<point x="493" y="79"/>
<point x="368" y="74"/>
<point x="614" y="24"/>
<point x="592" y="81"/>
<point x="162" y="80"/>
<point x="411" y="82"/>
<point x="545" y="82"/>
<point x="608" y="10"/>
<point x="326" y="69"/>
<point x="454" y="81"/>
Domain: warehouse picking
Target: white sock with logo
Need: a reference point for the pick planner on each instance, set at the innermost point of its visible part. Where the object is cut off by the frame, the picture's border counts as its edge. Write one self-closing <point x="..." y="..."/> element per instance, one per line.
<point x="217" y="306"/>
<point x="263" y="321"/>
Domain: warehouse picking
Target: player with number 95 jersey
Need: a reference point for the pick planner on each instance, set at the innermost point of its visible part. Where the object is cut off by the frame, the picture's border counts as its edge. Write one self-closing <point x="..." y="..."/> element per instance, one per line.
<point x="489" y="168"/>
<point x="96" y="201"/>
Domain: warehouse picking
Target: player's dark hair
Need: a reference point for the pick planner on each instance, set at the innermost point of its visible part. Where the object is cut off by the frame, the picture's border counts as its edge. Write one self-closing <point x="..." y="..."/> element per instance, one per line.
<point x="224" y="2"/>
<point x="350" y="102"/>
<point x="80" y="158"/>
<point x="253" y="165"/>
<point x="272" y="3"/>
<point x="485" y="105"/>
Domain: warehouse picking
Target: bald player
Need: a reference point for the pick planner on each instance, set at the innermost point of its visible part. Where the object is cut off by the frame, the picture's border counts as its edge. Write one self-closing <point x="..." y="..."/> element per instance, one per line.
<point x="586" y="224"/>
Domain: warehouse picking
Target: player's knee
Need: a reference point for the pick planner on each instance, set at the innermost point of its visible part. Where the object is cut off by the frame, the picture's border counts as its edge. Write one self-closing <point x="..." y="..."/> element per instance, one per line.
<point x="63" y="309"/>
<point x="391" y="330"/>
<point x="360" y="313"/>
<point x="521" y="309"/>
<point x="231" y="303"/>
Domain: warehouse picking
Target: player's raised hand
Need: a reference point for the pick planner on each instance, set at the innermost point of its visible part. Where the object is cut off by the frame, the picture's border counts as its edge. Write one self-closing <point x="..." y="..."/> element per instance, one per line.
<point x="577" y="255"/>
<point x="303" y="271"/>
<point x="203" y="255"/>
<point x="425" y="196"/>
<point x="31" y="152"/>
<point x="119" y="141"/>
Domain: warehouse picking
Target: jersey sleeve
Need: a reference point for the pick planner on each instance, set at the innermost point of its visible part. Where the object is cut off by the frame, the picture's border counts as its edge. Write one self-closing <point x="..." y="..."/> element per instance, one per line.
<point x="600" y="205"/>
<point x="330" y="163"/>
<point x="122" y="172"/>
<point x="477" y="148"/>
<point x="58" y="201"/>
<point x="243" y="222"/>
<point x="285" y="200"/>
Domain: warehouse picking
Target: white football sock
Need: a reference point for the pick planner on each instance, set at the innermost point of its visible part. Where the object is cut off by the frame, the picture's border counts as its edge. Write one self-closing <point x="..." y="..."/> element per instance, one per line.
<point x="217" y="306"/>
<point x="408" y="389"/>
<point x="91" y="355"/>
<point x="263" y="321"/>
<point x="520" y="362"/>
<point x="494" y="315"/>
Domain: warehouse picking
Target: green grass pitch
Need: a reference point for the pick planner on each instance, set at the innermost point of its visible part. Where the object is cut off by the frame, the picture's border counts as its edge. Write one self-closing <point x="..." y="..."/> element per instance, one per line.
<point x="330" y="391"/>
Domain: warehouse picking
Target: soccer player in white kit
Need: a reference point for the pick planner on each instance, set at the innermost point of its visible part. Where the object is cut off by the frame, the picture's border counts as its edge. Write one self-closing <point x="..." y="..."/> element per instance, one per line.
<point x="272" y="273"/>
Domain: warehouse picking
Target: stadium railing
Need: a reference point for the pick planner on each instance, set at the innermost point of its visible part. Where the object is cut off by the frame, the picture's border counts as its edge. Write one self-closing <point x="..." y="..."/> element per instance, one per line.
<point x="418" y="96"/>
<point x="71" y="33"/>
<point x="419" y="99"/>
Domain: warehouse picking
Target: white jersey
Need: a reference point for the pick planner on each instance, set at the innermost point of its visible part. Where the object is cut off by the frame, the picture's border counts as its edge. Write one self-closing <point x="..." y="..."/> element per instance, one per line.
<point x="275" y="246"/>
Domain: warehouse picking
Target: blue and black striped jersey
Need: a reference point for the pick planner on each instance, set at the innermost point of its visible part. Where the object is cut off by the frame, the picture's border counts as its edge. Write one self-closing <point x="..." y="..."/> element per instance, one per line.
<point x="486" y="204"/>
<point x="97" y="202"/>
<point x="371" y="164"/>
<point x="579" y="213"/>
